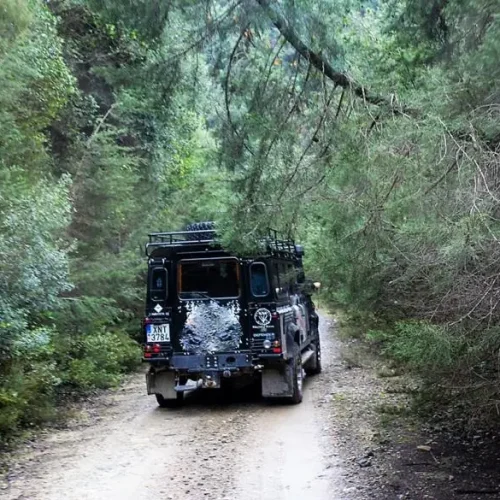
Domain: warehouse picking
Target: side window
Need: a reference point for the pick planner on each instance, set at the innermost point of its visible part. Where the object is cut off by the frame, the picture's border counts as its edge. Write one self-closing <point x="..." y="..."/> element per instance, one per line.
<point x="288" y="280"/>
<point x="292" y="277"/>
<point x="259" y="282"/>
<point x="158" y="284"/>
<point x="275" y="279"/>
<point x="283" y="281"/>
<point x="283" y="278"/>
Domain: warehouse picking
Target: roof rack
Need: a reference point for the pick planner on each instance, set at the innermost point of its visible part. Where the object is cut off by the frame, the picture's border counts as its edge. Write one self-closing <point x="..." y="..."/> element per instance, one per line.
<point x="181" y="239"/>
<point x="274" y="243"/>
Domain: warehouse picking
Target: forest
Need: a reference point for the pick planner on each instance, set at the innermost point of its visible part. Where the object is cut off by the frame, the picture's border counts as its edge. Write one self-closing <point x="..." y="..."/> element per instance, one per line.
<point x="367" y="129"/>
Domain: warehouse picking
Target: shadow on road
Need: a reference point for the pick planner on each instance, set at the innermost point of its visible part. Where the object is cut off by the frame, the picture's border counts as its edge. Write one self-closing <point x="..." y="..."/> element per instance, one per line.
<point x="231" y="397"/>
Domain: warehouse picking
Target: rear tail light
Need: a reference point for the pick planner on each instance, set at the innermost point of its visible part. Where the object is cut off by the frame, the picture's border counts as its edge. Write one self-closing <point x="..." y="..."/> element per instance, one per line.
<point x="147" y="321"/>
<point x="275" y="315"/>
<point x="277" y="350"/>
<point x="149" y="350"/>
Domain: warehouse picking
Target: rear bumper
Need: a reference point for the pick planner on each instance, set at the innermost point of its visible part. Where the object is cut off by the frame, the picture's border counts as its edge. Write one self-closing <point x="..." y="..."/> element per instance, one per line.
<point x="194" y="363"/>
<point x="214" y="362"/>
<point x="219" y="362"/>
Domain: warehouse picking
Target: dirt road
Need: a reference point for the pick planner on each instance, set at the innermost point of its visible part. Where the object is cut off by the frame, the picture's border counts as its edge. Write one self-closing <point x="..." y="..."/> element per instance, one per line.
<point x="241" y="448"/>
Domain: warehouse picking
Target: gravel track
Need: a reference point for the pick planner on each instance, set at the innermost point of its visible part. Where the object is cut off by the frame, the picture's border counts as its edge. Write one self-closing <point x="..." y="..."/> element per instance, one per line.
<point x="239" y="448"/>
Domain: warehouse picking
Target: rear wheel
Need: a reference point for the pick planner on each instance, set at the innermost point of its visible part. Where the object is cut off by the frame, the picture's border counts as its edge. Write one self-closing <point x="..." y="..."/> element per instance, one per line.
<point x="315" y="367"/>
<point x="298" y="380"/>
<point x="170" y="403"/>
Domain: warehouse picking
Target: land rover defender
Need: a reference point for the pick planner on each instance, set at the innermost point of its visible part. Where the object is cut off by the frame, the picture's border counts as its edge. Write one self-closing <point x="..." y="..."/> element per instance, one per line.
<point x="213" y="317"/>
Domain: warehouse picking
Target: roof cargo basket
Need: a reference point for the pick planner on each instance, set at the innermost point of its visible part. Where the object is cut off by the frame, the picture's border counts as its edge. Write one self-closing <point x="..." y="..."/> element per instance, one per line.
<point x="207" y="235"/>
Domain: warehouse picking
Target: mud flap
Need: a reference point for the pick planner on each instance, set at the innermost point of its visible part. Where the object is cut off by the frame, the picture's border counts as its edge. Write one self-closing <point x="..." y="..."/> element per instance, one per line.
<point x="161" y="383"/>
<point x="278" y="382"/>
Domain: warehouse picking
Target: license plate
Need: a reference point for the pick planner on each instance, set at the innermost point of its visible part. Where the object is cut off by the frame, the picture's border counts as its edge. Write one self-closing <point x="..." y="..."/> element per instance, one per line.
<point x="158" y="333"/>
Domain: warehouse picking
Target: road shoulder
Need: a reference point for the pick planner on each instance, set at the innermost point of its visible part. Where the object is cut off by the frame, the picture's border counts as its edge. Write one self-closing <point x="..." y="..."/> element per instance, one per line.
<point x="387" y="452"/>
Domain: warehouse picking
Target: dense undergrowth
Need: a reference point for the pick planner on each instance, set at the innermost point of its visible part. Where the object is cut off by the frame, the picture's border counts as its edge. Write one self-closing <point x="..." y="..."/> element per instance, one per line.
<point x="405" y="233"/>
<point x="101" y="141"/>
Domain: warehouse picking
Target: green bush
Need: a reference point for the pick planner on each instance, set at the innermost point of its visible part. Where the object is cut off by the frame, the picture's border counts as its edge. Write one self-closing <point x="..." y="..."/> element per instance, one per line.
<point x="455" y="365"/>
<point x="422" y="346"/>
<point x="44" y="367"/>
<point x="104" y="357"/>
<point x="27" y="395"/>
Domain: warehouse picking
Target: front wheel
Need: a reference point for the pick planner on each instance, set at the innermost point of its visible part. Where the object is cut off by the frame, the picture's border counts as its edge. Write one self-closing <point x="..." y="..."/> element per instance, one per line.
<point x="170" y="403"/>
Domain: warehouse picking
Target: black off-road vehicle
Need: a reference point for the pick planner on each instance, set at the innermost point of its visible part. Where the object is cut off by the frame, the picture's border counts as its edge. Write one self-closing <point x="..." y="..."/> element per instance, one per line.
<point x="213" y="317"/>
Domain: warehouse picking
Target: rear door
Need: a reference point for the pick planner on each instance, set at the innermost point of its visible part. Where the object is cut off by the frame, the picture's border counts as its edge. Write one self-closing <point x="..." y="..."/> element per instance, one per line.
<point x="210" y="316"/>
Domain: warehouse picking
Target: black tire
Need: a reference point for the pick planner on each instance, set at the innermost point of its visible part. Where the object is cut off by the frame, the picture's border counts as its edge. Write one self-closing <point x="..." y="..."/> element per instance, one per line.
<point x="201" y="226"/>
<point x="315" y="367"/>
<point x="298" y="380"/>
<point x="170" y="403"/>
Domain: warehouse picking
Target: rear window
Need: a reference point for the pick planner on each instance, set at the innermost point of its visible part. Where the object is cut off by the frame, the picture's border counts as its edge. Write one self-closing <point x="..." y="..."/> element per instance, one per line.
<point x="259" y="282"/>
<point x="208" y="279"/>
<point x="158" y="284"/>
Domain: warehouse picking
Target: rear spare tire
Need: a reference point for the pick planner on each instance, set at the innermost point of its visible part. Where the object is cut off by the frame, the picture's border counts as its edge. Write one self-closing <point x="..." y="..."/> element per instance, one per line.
<point x="201" y="226"/>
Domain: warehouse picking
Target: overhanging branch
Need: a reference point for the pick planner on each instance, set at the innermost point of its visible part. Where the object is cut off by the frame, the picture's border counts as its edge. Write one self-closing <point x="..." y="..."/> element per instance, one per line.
<point x="324" y="66"/>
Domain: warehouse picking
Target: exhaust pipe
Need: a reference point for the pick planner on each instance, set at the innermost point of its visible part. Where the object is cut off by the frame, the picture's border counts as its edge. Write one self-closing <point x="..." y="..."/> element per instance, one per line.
<point x="226" y="373"/>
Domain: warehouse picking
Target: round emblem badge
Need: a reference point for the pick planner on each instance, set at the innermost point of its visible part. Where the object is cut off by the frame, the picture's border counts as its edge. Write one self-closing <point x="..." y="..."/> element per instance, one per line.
<point x="262" y="316"/>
